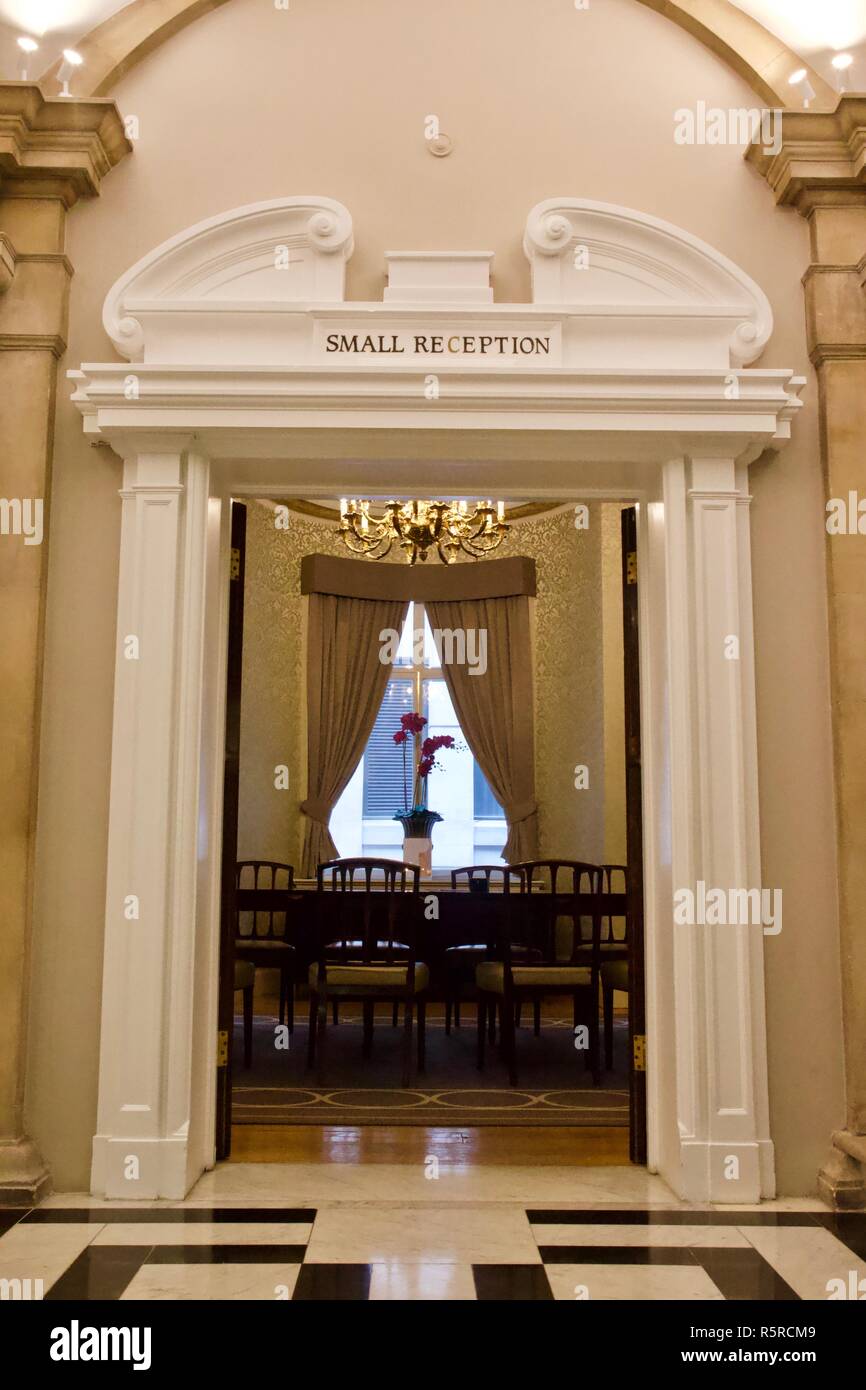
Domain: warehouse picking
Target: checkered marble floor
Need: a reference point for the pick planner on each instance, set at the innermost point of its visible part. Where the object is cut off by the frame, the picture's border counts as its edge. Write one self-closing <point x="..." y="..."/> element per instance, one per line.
<point x="381" y="1250"/>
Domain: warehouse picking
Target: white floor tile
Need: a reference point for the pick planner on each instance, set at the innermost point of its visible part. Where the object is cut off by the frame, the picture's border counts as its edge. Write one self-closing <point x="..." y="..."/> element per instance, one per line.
<point x="677" y="1236"/>
<point x="204" y="1233"/>
<point x="43" y="1251"/>
<point x="402" y="1234"/>
<point x="298" y="1184"/>
<point x="271" y="1283"/>
<point x="631" y="1282"/>
<point x="807" y="1257"/>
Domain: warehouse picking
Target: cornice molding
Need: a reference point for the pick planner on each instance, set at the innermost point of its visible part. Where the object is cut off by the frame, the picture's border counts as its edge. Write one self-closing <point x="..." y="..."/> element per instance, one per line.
<point x="822" y="158"/>
<point x="116" y="46"/>
<point x="56" y="147"/>
<point x="236" y="409"/>
<point x="33" y="342"/>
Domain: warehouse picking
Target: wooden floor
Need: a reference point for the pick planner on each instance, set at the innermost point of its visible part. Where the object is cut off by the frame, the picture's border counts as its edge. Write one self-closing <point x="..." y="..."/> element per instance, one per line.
<point x="484" y="1146"/>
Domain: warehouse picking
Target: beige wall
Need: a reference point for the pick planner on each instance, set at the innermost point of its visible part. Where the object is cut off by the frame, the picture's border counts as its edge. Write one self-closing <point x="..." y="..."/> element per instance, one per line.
<point x="570" y="702"/>
<point x="540" y="99"/>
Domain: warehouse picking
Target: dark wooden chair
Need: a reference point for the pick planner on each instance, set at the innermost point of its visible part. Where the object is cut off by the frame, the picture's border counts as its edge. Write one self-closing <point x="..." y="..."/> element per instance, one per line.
<point x="367" y="916"/>
<point x="549" y="922"/>
<point x="614" y="943"/>
<point x="615" y="948"/>
<point x="263" y="904"/>
<point x="245" y="983"/>
<point x="614" y="976"/>
<point x="460" y="961"/>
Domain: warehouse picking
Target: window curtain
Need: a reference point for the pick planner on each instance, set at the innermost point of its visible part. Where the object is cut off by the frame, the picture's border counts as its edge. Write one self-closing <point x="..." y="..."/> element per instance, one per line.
<point x="495" y="709"/>
<point x="345" y="686"/>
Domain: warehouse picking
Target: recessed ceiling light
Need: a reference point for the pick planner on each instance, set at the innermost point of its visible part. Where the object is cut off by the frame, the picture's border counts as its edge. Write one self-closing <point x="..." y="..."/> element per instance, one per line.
<point x="72" y="57"/>
<point x="797" y="76"/>
<point x="843" y="61"/>
<point x="29" y="45"/>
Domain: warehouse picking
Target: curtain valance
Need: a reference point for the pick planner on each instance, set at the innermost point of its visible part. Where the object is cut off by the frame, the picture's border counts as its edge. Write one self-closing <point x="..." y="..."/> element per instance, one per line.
<point x="348" y="578"/>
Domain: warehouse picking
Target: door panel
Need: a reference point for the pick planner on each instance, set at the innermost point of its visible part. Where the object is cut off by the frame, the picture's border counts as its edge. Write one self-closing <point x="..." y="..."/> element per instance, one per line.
<point x="231" y="782"/>
<point x="634" y="841"/>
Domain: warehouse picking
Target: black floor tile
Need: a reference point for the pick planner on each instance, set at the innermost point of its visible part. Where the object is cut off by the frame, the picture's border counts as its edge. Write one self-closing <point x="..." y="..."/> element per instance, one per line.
<point x="100" y="1272"/>
<point x="10" y="1216"/>
<point x="226" y="1255"/>
<point x="744" y="1274"/>
<point x="183" y="1216"/>
<point x="616" y="1255"/>
<point x="331" y="1283"/>
<point x="511" y="1283"/>
<point x="849" y="1227"/>
<point x="550" y="1216"/>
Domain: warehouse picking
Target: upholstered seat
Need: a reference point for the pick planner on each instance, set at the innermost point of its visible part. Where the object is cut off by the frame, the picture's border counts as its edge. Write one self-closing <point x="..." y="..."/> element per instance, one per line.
<point x="376" y="976"/>
<point x="397" y="948"/>
<point x="517" y="952"/>
<point x="490" y="976"/>
<point x="263" y="943"/>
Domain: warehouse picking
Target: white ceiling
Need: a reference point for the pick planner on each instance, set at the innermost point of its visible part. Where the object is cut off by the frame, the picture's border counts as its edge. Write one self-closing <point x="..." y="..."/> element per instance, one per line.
<point x="814" y="28"/>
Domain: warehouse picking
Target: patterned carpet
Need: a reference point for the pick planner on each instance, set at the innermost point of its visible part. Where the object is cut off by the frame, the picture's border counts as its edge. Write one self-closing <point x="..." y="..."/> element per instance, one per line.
<point x="553" y="1086"/>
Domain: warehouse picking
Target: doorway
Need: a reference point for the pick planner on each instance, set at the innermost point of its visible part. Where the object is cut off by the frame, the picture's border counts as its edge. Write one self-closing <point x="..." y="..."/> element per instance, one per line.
<point x="588" y="601"/>
<point x="240" y="398"/>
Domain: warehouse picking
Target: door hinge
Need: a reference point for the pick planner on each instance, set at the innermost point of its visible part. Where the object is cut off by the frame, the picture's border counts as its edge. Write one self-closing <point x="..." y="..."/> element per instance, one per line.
<point x="639" y="1051"/>
<point x="631" y="567"/>
<point x="223" y="1047"/>
<point x="235" y="566"/>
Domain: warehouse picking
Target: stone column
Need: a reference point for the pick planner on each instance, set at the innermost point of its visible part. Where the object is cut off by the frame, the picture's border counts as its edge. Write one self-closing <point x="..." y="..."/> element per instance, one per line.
<point x="51" y="153"/>
<point x="820" y="170"/>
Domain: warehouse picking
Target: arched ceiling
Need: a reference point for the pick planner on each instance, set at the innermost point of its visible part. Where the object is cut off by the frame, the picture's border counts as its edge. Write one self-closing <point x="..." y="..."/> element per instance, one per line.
<point x="764" y="40"/>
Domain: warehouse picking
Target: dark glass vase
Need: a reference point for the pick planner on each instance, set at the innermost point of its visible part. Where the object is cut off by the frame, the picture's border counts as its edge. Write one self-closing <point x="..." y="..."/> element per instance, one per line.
<point x="418" y="823"/>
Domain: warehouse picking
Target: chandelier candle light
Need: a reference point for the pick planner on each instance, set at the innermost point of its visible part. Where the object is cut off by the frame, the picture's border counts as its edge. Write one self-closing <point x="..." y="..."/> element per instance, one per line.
<point x="417" y="820"/>
<point x="418" y="527"/>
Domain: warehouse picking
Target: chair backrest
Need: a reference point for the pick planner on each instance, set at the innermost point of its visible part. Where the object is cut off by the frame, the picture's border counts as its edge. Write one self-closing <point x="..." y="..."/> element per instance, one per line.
<point x="614" y="883"/>
<point x="561" y="912"/>
<point x="368" y="875"/>
<point x="372" y="901"/>
<point x="262" y="887"/>
<point x="483" y="877"/>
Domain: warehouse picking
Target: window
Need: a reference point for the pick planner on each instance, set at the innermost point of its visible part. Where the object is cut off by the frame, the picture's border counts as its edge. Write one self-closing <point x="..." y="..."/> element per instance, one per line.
<point x="472" y="829"/>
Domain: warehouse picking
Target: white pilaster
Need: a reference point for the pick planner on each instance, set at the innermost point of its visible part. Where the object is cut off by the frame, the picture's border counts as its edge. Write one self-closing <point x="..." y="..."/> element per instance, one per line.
<point x="725" y="1151"/>
<point x="140" y="1147"/>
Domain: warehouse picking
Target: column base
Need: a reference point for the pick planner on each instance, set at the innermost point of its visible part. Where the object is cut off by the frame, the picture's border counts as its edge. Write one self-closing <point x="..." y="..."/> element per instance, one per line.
<point x="24" y="1176"/>
<point x="842" y="1180"/>
<point x="725" y="1173"/>
<point x="131" y="1169"/>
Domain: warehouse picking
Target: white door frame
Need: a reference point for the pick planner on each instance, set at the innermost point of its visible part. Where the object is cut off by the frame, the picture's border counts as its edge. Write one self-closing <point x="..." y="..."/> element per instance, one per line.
<point x="233" y="393"/>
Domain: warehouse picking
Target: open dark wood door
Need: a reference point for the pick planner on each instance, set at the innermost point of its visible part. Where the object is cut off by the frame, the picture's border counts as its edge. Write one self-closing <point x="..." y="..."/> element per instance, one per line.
<point x="231" y="783"/>
<point x="634" y="841"/>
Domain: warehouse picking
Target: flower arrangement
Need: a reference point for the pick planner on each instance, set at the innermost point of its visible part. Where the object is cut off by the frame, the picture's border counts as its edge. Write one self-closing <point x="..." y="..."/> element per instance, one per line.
<point x="410" y="726"/>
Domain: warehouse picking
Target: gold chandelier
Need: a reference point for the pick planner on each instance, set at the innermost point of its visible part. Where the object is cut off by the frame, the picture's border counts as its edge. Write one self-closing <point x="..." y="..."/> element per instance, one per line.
<point x="418" y="527"/>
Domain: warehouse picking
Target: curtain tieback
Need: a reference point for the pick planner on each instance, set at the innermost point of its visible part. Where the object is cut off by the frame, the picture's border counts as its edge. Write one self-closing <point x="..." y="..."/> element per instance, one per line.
<point x="520" y="810"/>
<point x="317" y="810"/>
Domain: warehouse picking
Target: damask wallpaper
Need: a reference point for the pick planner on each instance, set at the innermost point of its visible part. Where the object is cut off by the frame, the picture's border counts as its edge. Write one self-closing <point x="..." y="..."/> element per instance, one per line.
<point x="569" y="684"/>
